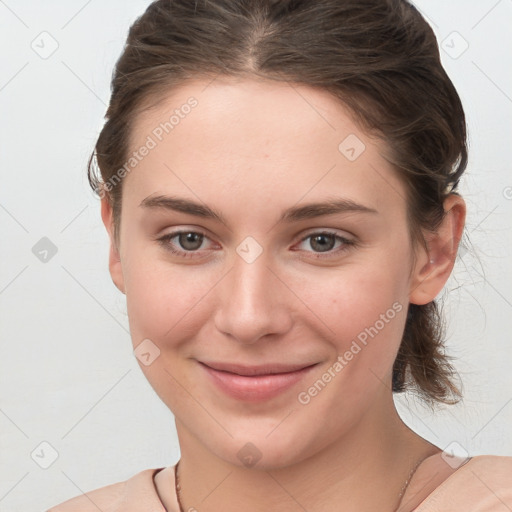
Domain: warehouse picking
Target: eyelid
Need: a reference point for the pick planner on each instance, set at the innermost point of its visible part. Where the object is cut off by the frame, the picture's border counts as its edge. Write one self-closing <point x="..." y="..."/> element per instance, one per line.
<point x="327" y="231"/>
<point x="347" y="242"/>
<point x="183" y="230"/>
<point x="164" y="240"/>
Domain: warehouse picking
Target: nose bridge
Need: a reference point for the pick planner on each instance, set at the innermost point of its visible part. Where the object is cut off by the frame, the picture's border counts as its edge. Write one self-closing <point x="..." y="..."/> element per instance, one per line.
<point x="251" y="303"/>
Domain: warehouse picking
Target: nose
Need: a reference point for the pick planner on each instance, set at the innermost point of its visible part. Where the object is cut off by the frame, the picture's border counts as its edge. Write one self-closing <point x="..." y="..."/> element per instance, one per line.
<point x="253" y="301"/>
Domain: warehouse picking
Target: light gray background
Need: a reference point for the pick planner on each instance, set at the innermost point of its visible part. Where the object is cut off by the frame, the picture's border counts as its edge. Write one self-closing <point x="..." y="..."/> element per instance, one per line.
<point x="68" y="375"/>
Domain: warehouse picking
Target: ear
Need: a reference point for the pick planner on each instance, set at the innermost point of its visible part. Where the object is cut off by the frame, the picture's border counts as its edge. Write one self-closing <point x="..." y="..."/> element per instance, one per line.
<point x="114" y="259"/>
<point x="433" y="267"/>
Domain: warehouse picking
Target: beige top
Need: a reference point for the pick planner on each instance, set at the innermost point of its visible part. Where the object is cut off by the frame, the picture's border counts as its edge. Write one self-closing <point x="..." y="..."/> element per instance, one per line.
<point x="481" y="484"/>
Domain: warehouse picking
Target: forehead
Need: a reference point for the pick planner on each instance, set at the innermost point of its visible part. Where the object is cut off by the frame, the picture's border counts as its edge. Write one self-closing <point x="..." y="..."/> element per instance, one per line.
<point x="256" y="138"/>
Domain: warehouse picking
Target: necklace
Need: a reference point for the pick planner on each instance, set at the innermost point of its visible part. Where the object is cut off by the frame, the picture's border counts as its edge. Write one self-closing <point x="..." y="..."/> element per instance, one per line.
<point x="407" y="482"/>
<point x="177" y="486"/>
<point x="400" y="496"/>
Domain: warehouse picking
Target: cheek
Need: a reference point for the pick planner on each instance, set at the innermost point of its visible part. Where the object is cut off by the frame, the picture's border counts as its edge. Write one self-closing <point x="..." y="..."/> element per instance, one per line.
<point x="354" y="298"/>
<point x="361" y="310"/>
<point x="166" y="305"/>
<point x="164" y="300"/>
<point x="368" y="315"/>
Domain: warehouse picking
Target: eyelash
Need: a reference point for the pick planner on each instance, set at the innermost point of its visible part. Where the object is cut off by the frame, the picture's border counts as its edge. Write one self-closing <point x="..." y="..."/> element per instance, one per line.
<point x="165" y="242"/>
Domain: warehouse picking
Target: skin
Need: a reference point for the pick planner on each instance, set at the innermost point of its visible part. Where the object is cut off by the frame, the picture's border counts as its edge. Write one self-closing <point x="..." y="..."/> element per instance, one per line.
<point x="250" y="149"/>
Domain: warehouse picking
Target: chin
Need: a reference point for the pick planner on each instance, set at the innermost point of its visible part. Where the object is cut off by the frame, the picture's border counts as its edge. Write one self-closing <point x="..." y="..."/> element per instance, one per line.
<point x="256" y="449"/>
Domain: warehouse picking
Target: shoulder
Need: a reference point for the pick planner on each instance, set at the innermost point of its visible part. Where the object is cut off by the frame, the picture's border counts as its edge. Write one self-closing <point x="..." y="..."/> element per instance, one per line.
<point x="483" y="484"/>
<point x="496" y="466"/>
<point x="487" y="472"/>
<point x="128" y="495"/>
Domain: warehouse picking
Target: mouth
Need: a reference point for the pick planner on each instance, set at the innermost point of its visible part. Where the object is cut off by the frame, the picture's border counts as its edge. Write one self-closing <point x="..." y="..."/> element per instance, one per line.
<point x="264" y="369"/>
<point x="255" y="383"/>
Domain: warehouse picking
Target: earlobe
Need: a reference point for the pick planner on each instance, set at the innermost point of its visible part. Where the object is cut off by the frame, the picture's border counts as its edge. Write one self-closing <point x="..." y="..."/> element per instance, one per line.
<point x="114" y="259"/>
<point x="433" y="267"/>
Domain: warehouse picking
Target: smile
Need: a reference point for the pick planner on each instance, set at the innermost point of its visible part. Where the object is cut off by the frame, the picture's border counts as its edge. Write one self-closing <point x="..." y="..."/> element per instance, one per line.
<point x="255" y="383"/>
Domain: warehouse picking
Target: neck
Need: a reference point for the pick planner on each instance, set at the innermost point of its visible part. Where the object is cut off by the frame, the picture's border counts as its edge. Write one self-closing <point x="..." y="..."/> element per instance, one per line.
<point x="366" y="468"/>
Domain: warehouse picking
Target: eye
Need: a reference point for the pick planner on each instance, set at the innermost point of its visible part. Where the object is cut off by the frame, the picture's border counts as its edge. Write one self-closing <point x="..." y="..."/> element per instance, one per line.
<point x="189" y="241"/>
<point x="325" y="241"/>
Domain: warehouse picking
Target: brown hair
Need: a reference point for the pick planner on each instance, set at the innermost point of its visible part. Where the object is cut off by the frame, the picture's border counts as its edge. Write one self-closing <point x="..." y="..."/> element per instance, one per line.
<point x="379" y="57"/>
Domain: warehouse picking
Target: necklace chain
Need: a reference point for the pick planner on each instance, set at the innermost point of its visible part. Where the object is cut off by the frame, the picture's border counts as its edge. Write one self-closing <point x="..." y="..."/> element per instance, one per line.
<point x="400" y="496"/>
<point x="178" y="487"/>
<point x="407" y="482"/>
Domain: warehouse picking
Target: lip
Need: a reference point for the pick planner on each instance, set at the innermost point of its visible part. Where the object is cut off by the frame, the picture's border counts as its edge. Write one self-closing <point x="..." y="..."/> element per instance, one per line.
<point x="263" y="369"/>
<point x="255" y="383"/>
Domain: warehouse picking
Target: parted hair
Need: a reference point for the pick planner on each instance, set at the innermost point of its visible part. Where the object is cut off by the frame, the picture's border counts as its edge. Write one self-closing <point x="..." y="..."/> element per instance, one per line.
<point x="380" y="58"/>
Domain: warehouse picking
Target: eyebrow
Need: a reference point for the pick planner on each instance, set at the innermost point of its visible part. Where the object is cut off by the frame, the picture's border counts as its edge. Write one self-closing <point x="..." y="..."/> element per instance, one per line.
<point x="293" y="214"/>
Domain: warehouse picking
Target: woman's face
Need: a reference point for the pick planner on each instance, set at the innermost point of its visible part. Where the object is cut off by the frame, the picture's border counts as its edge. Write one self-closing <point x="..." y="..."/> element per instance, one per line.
<point x="260" y="284"/>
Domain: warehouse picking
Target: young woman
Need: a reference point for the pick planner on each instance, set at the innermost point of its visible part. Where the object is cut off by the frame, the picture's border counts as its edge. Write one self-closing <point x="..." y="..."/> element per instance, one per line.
<point x="278" y="180"/>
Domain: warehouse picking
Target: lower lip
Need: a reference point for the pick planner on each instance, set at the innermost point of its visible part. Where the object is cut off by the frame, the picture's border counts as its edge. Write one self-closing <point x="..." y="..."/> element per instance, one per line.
<point x="255" y="388"/>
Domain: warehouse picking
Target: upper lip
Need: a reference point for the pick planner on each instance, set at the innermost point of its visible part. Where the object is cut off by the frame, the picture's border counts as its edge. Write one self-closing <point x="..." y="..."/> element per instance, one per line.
<point x="264" y="369"/>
